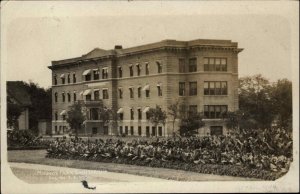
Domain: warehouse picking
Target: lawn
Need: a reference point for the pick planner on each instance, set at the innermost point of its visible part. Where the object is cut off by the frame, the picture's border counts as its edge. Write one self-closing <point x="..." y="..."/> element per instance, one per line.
<point x="38" y="157"/>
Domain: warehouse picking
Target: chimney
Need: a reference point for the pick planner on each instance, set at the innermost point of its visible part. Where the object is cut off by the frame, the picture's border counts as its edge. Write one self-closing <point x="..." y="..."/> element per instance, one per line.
<point x="118" y="46"/>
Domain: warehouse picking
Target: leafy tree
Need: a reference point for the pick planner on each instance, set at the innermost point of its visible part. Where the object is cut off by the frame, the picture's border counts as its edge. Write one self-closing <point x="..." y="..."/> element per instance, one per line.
<point x="281" y="97"/>
<point x="41" y="104"/>
<point x="173" y="111"/>
<point x="157" y="116"/>
<point x="76" y="117"/>
<point x="190" y="122"/>
<point x="13" y="113"/>
<point x="255" y="100"/>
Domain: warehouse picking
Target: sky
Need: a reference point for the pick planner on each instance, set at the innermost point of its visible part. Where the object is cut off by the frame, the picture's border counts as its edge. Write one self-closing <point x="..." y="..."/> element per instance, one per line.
<point x="54" y="31"/>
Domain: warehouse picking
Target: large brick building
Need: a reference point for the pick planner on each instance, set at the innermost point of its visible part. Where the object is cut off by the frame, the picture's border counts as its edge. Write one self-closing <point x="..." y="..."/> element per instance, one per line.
<point x="202" y="74"/>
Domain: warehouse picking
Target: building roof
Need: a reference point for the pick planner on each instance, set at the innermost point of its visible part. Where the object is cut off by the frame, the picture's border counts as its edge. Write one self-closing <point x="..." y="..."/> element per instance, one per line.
<point x="17" y="90"/>
<point x="98" y="53"/>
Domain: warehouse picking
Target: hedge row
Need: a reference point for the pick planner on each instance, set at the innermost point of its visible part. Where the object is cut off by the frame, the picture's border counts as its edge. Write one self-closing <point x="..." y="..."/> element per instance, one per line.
<point x="228" y="170"/>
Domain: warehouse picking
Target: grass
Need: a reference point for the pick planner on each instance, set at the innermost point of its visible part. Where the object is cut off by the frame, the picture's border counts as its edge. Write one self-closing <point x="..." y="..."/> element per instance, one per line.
<point x="38" y="157"/>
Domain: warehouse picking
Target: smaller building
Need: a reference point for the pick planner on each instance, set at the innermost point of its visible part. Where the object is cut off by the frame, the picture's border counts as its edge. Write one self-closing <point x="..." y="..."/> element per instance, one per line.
<point x="17" y="94"/>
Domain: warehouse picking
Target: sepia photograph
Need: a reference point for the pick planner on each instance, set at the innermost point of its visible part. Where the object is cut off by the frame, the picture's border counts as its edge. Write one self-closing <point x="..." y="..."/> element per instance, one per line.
<point x="149" y="96"/>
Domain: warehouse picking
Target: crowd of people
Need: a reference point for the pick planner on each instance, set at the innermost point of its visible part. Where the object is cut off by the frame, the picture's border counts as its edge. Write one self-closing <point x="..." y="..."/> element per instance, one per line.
<point x="25" y="139"/>
<point x="260" y="149"/>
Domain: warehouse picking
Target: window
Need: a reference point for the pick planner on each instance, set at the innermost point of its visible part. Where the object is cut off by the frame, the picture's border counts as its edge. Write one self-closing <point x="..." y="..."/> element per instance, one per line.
<point x="55" y="80"/>
<point x="148" y="93"/>
<point x="159" y="91"/>
<point x="131" y="114"/>
<point x="55" y="96"/>
<point x="63" y="80"/>
<point x="181" y="88"/>
<point x="69" y="78"/>
<point x="94" y="115"/>
<point x="216" y="130"/>
<point x="147" y="115"/>
<point x="131" y="70"/>
<point x="193" y="88"/>
<point x="96" y="74"/>
<point x="139" y="92"/>
<point x="131" y="93"/>
<point x="224" y="88"/>
<point x="193" y="65"/>
<point x="215" y="88"/>
<point x="105" y="93"/>
<point x="147" y="131"/>
<point x="88" y="77"/>
<point x="56" y="116"/>
<point x="159" y="67"/>
<point x="96" y="95"/>
<point x="215" y="64"/>
<point x="214" y="111"/>
<point x="193" y="109"/>
<point x="139" y="114"/>
<point x="139" y="130"/>
<point x="160" y="131"/>
<point x="69" y="97"/>
<point x="121" y="116"/>
<point x="88" y="97"/>
<point x="104" y="73"/>
<point x="64" y="117"/>
<point x="181" y="65"/>
<point x="138" y="69"/>
<point x="131" y="130"/>
<point x="153" y="131"/>
<point x="147" y="69"/>
<point x="120" y="72"/>
<point x="74" y="78"/>
<point x="74" y="97"/>
<point x="121" y="129"/>
<point x="120" y="93"/>
<point x="126" y="130"/>
<point x="63" y="97"/>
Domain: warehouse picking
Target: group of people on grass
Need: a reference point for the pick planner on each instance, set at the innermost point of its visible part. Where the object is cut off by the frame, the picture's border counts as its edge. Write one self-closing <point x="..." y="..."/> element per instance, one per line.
<point x="261" y="149"/>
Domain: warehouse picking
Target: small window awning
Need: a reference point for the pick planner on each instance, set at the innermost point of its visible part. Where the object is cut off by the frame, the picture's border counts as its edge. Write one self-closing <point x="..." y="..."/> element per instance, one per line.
<point x="62" y="75"/>
<point x="146" y="87"/>
<point x="120" y="110"/>
<point x="63" y="112"/>
<point x="96" y="89"/>
<point x="95" y="69"/>
<point x="159" y="84"/>
<point x="86" y="72"/>
<point x="146" y="109"/>
<point x="87" y="92"/>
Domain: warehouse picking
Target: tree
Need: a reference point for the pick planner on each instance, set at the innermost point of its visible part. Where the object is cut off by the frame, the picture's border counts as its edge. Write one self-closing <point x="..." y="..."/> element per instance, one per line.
<point x="190" y="123"/>
<point x="75" y="117"/>
<point x="13" y="113"/>
<point x="173" y="111"/>
<point x="157" y="116"/>
<point x="41" y="104"/>
<point x="281" y="97"/>
<point x="255" y="100"/>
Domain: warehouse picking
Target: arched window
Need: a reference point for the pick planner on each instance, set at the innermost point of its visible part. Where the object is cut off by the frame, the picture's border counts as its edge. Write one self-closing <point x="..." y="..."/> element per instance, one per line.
<point x="63" y="97"/>
<point x="69" y="97"/>
<point x="55" y="80"/>
<point x="55" y="96"/>
<point x="56" y="116"/>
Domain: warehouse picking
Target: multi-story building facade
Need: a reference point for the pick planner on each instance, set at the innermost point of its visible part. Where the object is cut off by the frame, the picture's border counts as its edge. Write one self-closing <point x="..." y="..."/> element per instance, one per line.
<point x="202" y="74"/>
